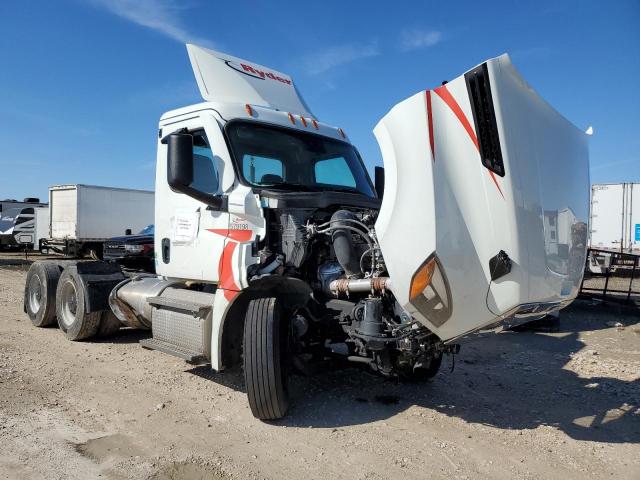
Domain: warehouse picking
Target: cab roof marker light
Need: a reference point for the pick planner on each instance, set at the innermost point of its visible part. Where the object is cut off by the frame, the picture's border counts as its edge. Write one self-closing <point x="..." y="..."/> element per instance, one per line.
<point x="315" y="123"/>
<point x="292" y="118"/>
<point x="304" y="122"/>
<point x="249" y="110"/>
<point x="342" y="134"/>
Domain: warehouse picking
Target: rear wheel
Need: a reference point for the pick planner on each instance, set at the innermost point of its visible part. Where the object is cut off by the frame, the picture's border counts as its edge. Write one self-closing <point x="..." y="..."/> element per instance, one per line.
<point x="40" y="293"/>
<point x="265" y="359"/>
<point x="109" y="324"/>
<point x="71" y="311"/>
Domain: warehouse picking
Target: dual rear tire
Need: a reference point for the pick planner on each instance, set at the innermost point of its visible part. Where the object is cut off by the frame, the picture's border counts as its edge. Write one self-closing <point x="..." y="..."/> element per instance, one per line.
<point x="52" y="295"/>
<point x="40" y="293"/>
<point x="73" y="318"/>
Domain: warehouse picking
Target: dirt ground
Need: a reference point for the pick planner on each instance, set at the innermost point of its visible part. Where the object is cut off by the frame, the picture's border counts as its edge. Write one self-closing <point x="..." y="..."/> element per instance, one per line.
<point x="561" y="404"/>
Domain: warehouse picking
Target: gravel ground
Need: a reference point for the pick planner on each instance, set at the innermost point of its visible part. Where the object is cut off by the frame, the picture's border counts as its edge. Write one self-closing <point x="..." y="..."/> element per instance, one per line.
<point x="528" y="404"/>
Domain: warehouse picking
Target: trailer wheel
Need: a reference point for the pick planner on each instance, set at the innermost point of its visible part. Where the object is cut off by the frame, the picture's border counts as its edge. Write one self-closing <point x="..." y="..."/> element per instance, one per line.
<point x="40" y="293"/>
<point x="265" y="359"/>
<point x="109" y="324"/>
<point x="70" y="308"/>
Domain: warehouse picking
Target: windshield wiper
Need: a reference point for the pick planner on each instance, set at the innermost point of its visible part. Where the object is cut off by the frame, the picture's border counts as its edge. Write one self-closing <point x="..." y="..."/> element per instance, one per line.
<point x="340" y="189"/>
<point x="292" y="186"/>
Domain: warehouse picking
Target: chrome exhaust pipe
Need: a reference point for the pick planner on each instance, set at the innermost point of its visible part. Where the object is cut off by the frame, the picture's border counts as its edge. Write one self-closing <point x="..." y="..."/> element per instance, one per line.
<point x="128" y="299"/>
<point x="362" y="285"/>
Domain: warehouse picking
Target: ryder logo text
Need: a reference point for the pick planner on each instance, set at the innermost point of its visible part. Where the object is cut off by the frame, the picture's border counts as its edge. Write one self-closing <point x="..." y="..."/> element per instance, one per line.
<point x="255" y="72"/>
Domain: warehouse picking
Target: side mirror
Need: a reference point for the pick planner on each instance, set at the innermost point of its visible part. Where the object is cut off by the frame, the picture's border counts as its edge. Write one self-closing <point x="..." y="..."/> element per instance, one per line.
<point x="127" y="231"/>
<point x="179" y="160"/>
<point x="379" y="181"/>
<point x="180" y="170"/>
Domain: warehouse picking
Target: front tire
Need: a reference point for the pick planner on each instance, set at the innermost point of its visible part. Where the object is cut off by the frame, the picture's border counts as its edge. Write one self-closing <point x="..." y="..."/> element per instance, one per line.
<point x="265" y="359"/>
<point x="71" y="310"/>
<point x="424" y="371"/>
<point x="40" y="293"/>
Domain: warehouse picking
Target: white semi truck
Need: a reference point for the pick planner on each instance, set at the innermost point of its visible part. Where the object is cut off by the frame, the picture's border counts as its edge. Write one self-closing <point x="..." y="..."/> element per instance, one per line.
<point x="82" y="217"/>
<point x="274" y="249"/>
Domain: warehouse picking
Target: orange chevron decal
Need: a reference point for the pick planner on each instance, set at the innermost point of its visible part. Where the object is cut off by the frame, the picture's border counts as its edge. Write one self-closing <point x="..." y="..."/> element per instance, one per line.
<point x="446" y="96"/>
<point x="226" y="279"/>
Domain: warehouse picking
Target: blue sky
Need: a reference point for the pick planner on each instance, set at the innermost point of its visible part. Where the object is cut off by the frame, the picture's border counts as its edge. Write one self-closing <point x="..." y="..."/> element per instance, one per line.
<point x="83" y="82"/>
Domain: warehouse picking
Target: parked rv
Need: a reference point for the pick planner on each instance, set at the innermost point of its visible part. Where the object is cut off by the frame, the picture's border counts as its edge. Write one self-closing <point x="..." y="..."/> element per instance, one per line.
<point x="615" y="217"/>
<point x="275" y="250"/>
<point x="83" y="217"/>
<point x="18" y="223"/>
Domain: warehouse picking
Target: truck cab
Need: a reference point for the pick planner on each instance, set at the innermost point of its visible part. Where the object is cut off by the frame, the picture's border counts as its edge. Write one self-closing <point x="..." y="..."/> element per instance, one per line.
<point x="275" y="251"/>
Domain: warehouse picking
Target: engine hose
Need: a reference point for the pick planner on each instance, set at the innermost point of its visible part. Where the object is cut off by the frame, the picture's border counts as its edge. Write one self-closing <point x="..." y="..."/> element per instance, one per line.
<point x="343" y="244"/>
<point x="348" y="220"/>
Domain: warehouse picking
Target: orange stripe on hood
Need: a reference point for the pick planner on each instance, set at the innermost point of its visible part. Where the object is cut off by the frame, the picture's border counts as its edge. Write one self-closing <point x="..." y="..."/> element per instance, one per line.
<point x="446" y="96"/>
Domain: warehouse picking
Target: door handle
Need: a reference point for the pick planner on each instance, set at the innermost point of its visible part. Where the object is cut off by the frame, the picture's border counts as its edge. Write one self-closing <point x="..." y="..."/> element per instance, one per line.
<point x="166" y="250"/>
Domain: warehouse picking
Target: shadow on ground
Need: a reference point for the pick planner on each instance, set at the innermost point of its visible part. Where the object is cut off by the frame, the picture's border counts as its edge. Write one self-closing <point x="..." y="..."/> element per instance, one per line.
<point x="508" y="380"/>
<point x="124" y="335"/>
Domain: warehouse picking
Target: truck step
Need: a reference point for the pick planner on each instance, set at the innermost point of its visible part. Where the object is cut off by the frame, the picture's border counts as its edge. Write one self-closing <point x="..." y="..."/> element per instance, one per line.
<point x="176" y="351"/>
<point x="194" y="308"/>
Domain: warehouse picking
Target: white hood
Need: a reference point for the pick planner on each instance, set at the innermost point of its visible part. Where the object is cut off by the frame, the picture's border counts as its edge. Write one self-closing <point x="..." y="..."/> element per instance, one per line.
<point x="225" y="78"/>
<point x="473" y="167"/>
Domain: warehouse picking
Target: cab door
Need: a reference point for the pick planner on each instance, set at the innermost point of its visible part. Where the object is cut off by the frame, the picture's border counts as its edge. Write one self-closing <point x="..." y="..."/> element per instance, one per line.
<point x="186" y="243"/>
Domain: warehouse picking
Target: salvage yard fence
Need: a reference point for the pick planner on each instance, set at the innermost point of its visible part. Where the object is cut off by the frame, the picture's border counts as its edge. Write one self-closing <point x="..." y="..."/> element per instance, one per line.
<point x="611" y="276"/>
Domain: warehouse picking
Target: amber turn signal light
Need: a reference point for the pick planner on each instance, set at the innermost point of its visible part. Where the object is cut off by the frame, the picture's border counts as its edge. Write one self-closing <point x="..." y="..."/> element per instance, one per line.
<point x="422" y="278"/>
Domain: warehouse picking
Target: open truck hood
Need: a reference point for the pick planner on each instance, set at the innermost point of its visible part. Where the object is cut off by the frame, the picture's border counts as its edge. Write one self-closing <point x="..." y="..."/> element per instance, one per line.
<point x="225" y="78"/>
<point x="476" y="166"/>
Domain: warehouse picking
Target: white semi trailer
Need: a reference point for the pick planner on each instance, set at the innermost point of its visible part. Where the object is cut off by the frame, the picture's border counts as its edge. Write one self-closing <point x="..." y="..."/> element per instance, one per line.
<point x="82" y="217"/>
<point x="275" y="251"/>
<point x="615" y="217"/>
<point x="41" y="230"/>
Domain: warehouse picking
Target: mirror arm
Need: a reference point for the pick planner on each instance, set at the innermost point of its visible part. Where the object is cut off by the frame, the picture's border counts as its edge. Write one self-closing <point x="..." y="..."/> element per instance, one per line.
<point x="219" y="203"/>
<point x="164" y="140"/>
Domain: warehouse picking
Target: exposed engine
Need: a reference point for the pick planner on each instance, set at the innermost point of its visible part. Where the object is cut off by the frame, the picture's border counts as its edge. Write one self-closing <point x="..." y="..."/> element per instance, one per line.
<point x="354" y="313"/>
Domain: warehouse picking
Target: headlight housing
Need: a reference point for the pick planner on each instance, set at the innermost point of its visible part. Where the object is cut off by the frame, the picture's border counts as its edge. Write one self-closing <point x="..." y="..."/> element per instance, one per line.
<point x="429" y="292"/>
<point x="134" y="248"/>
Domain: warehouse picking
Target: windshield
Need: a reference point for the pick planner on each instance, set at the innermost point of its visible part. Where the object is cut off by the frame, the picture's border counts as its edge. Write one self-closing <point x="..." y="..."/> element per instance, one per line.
<point x="282" y="158"/>
<point x="6" y="224"/>
<point x="148" y="230"/>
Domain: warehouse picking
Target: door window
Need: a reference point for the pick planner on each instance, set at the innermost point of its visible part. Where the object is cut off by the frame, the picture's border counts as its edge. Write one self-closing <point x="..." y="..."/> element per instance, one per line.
<point x="205" y="176"/>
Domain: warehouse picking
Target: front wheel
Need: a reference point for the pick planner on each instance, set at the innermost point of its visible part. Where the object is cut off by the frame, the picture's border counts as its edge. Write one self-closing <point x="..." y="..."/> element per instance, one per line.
<point x="265" y="359"/>
<point x="423" y="370"/>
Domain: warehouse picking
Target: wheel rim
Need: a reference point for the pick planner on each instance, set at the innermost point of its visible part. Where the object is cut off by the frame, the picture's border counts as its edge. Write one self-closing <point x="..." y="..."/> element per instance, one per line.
<point x="35" y="294"/>
<point x="69" y="303"/>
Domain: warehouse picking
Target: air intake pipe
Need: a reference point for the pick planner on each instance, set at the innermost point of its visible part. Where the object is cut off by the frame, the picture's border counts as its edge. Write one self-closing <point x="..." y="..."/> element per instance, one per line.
<point x="342" y="243"/>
